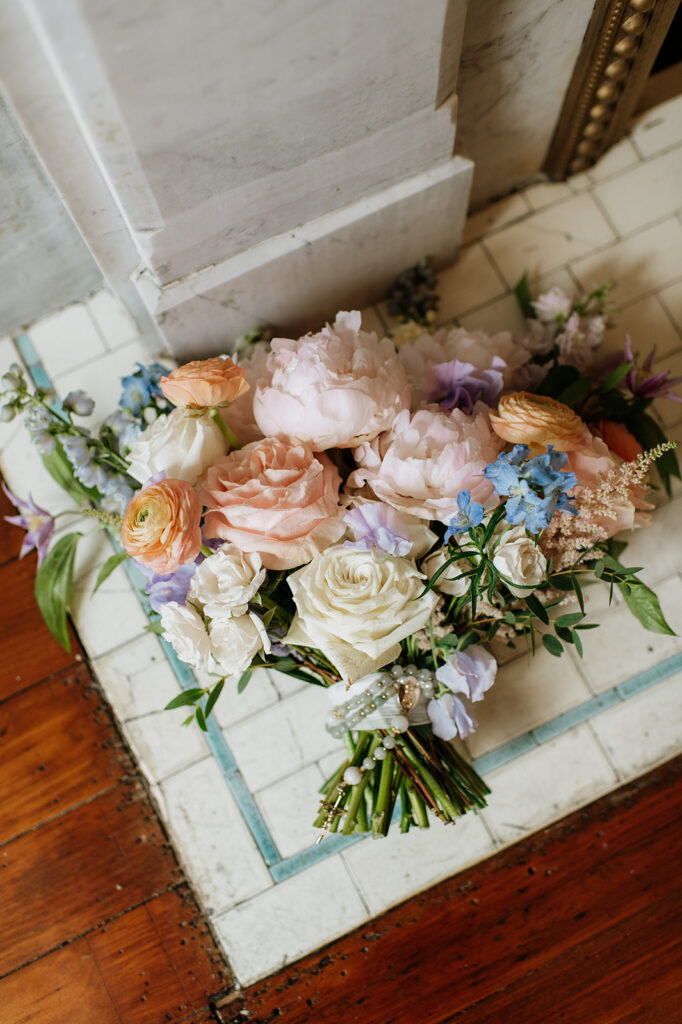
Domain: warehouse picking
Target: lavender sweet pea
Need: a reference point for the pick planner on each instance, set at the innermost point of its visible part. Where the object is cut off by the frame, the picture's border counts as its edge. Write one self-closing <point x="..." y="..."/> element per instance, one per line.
<point x="376" y="525"/>
<point x="470" y="673"/>
<point x="37" y="522"/>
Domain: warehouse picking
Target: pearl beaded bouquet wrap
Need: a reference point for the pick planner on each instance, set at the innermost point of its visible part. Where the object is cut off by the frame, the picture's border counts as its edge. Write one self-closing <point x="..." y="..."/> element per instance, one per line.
<point x="372" y="515"/>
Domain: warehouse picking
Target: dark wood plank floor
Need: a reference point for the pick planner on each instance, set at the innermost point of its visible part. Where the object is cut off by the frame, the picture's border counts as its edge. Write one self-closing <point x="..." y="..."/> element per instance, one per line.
<point x="578" y="924"/>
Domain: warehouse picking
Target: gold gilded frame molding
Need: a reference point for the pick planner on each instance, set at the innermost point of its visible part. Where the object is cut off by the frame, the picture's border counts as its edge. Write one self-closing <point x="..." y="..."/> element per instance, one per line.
<point x="619" y="49"/>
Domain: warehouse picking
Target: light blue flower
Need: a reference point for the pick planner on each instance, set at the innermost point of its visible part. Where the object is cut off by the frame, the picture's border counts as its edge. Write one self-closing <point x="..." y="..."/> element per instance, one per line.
<point x="79" y="403"/>
<point x="470" y="515"/>
<point x="535" y="488"/>
<point x="136" y="394"/>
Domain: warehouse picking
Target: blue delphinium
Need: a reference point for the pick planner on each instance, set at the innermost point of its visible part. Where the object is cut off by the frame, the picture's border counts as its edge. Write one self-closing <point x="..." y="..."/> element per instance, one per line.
<point x="470" y="515"/>
<point x="141" y="389"/>
<point x="535" y="488"/>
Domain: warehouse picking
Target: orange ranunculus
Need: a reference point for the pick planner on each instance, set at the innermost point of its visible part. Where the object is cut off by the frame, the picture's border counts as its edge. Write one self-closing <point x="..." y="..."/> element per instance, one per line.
<point x="524" y="418"/>
<point x="161" y="526"/>
<point x="205" y="383"/>
<point x="619" y="439"/>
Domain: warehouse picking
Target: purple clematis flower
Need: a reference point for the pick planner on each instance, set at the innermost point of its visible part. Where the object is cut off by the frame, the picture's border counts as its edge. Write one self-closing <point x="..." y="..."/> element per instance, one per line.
<point x="656" y="386"/>
<point x="166" y="587"/>
<point x="37" y="522"/>
<point x="458" y="385"/>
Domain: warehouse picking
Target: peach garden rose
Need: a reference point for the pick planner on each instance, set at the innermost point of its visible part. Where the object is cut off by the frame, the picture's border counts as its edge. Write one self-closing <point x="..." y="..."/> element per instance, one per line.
<point x="276" y="498"/>
<point x="205" y="383"/>
<point x="161" y="525"/>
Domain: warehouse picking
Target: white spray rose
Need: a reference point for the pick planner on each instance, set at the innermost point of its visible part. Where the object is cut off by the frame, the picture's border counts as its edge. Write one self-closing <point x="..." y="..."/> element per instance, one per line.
<point x="225" y="583"/>
<point x="186" y="632"/>
<point x="180" y="444"/>
<point x="235" y="642"/>
<point x="518" y="557"/>
<point x="356" y="606"/>
<point x="448" y="582"/>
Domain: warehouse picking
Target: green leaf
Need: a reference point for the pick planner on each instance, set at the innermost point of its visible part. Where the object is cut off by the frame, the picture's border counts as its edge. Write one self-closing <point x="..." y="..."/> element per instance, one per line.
<point x="616" y="547"/>
<point x="448" y="641"/>
<point x="537" y="608"/>
<point x="111" y="563"/>
<point x="599" y="567"/>
<point x="553" y="645"/>
<point x="578" y="593"/>
<point x="575" y="391"/>
<point x="201" y="721"/>
<point x="154" y="627"/>
<point x="614" y="378"/>
<point x="558" y="380"/>
<point x="213" y="696"/>
<point x="578" y="642"/>
<point x="184" y="698"/>
<point x="571" y="619"/>
<point x="53" y="587"/>
<point x="565" y="634"/>
<point x="61" y="470"/>
<point x="525" y="299"/>
<point x="246" y="676"/>
<point x="509" y="617"/>
<point x="645" y="606"/>
<point x="561" y="582"/>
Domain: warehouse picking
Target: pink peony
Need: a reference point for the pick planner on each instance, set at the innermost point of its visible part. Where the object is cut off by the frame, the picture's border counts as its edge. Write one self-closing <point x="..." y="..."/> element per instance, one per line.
<point x="335" y="389"/>
<point x="427" y="458"/>
<point x="276" y="498"/>
<point x="239" y="416"/>
<point x="594" y="461"/>
<point x="485" y="353"/>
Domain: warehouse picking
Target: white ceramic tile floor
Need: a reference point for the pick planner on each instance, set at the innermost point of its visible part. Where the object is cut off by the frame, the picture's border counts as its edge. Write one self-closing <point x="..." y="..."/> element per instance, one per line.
<point x="558" y="233"/>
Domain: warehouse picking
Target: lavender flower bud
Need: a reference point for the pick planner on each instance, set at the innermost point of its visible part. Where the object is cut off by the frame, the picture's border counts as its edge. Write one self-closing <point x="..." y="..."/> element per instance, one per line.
<point x="10" y="380"/>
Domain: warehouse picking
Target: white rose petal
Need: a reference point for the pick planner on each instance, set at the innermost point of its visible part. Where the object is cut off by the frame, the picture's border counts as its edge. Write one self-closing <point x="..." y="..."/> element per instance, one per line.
<point x="185" y="631"/>
<point x="518" y="557"/>
<point x="356" y="606"/>
<point x="235" y="642"/>
<point x="448" y="582"/>
<point x="179" y="444"/>
<point x="225" y="583"/>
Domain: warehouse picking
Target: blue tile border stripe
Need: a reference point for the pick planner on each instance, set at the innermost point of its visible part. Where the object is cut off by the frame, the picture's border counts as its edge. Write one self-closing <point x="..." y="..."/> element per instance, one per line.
<point x="282" y="868"/>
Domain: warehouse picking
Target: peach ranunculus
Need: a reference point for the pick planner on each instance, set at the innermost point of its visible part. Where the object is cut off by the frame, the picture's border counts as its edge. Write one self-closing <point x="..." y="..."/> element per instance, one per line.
<point x="334" y="389"/>
<point x="422" y="463"/>
<point x="524" y="418"/>
<point x="205" y="383"/>
<point x="620" y="440"/>
<point x="161" y="525"/>
<point x="274" y="497"/>
<point x="592" y="463"/>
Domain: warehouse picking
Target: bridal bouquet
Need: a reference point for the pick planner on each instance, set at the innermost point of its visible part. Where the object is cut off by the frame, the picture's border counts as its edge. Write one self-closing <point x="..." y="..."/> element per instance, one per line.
<point x="372" y="516"/>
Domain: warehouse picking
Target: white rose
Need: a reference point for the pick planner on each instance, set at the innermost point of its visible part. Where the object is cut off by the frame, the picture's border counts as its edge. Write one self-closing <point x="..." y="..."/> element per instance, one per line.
<point x="448" y="582"/>
<point x="225" y="583"/>
<point x="186" y="632"/>
<point x="235" y="642"/>
<point x="356" y="606"/>
<point x="518" y="557"/>
<point x="180" y="444"/>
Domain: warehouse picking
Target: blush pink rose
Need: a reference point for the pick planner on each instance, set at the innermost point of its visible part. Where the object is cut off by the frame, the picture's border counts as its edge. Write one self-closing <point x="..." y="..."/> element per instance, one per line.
<point x="594" y="461"/>
<point x="276" y="498"/>
<point x="205" y="383"/>
<point x="427" y="458"/>
<point x="161" y="525"/>
<point x="334" y="389"/>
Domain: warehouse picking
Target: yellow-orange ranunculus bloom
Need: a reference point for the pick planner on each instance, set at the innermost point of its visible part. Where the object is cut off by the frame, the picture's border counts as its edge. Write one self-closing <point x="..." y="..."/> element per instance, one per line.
<point x="619" y="439"/>
<point x="205" y="383"/>
<point x="161" y="526"/>
<point x="524" y="418"/>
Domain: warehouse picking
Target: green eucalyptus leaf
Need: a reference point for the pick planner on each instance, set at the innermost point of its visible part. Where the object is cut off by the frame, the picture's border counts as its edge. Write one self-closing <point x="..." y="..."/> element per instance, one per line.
<point x="184" y="698"/>
<point x="111" y="563"/>
<point x="244" y="679"/>
<point x="201" y="721"/>
<point x="525" y="299"/>
<point x="53" y="585"/>
<point x="645" y="606"/>
<point x="571" y="619"/>
<point x="213" y="697"/>
<point x="537" y="608"/>
<point x="578" y="642"/>
<point x="553" y="645"/>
